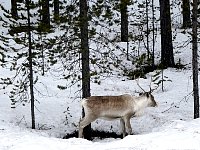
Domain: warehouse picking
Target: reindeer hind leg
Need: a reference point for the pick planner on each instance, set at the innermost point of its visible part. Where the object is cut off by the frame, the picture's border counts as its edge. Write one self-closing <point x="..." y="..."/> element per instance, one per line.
<point x="83" y="123"/>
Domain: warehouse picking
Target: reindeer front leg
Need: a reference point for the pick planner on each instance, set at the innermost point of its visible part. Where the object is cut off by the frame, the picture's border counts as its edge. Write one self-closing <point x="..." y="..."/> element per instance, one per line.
<point x="122" y="123"/>
<point x="128" y="124"/>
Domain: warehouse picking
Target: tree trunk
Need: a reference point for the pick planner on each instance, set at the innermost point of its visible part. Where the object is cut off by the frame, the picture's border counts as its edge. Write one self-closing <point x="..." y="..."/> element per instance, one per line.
<point x="56" y="10"/>
<point x="30" y="67"/>
<point x="186" y="14"/>
<point x="147" y="33"/>
<point x="45" y="14"/>
<point x="14" y="9"/>
<point x="124" y="20"/>
<point x="195" y="60"/>
<point x="153" y="38"/>
<point x="167" y="57"/>
<point x="85" y="59"/>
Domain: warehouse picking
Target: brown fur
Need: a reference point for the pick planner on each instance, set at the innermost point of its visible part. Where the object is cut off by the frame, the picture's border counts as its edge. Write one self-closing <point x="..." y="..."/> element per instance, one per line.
<point x="108" y="103"/>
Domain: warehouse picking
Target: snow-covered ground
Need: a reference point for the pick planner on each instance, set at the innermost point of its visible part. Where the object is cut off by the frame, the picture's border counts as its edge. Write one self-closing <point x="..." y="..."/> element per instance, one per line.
<point x="168" y="126"/>
<point x="177" y="135"/>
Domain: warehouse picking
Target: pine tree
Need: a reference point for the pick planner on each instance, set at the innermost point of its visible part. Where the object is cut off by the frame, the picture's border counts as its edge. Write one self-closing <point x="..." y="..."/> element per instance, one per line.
<point x="85" y="58"/>
<point x="147" y="32"/>
<point x="195" y="60"/>
<point x="153" y="35"/>
<point x="124" y="20"/>
<point x="45" y="14"/>
<point x="30" y="65"/>
<point x="56" y="5"/>
<point x="22" y="54"/>
<point x="14" y="11"/>
<point x="167" y="56"/>
<point x="186" y="13"/>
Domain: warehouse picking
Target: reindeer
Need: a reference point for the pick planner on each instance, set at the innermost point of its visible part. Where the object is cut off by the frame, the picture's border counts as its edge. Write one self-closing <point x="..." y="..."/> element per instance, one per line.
<point x="122" y="107"/>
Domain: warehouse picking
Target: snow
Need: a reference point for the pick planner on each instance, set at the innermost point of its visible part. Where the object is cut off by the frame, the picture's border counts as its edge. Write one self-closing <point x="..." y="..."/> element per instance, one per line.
<point x="168" y="126"/>
<point x="178" y="135"/>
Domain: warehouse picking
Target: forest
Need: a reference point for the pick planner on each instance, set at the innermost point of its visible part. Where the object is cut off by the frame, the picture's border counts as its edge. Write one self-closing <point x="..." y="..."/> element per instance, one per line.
<point x="54" y="53"/>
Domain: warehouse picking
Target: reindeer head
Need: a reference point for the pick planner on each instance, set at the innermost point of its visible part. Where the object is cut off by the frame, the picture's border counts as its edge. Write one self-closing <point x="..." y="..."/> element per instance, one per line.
<point x="148" y="95"/>
<point x="150" y="99"/>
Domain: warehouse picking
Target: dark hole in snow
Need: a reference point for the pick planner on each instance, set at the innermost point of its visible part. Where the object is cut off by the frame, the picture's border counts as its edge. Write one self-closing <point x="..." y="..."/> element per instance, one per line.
<point x="95" y="134"/>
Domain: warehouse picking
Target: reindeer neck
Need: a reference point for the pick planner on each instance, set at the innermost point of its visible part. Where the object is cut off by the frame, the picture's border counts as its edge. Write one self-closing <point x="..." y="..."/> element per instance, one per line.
<point x="141" y="102"/>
